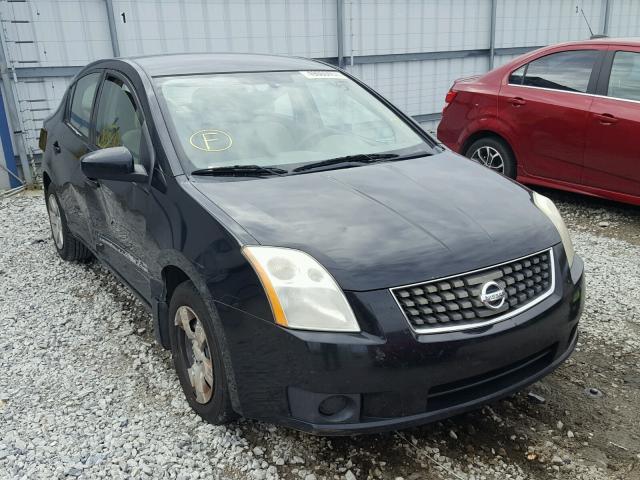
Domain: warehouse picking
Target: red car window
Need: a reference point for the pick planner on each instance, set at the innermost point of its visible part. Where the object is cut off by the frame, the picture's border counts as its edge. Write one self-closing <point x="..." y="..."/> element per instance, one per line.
<point x="568" y="70"/>
<point x="624" y="81"/>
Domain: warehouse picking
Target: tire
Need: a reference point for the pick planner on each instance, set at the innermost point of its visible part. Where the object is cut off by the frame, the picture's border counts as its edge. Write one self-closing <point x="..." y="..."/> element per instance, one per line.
<point x="68" y="247"/>
<point x="484" y="150"/>
<point x="208" y="394"/>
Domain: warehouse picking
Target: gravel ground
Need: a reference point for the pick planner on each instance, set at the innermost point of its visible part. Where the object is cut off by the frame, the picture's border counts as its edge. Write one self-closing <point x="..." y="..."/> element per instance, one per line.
<point x="85" y="392"/>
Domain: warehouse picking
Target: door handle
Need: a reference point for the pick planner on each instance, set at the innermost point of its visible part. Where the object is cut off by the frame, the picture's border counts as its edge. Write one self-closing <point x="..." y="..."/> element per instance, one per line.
<point x="517" y="101"/>
<point x="56" y="147"/>
<point x="606" y="118"/>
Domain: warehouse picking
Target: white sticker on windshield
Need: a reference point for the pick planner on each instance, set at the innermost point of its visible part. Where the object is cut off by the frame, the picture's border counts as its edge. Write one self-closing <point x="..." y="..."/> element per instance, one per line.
<point x="323" y="74"/>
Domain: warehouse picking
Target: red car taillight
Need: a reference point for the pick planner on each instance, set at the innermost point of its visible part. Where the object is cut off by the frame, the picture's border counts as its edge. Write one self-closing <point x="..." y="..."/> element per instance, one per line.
<point x="451" y="94"/>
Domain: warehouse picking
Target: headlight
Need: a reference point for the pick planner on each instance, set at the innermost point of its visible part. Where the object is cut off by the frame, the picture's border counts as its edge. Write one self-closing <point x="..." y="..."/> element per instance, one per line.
<point x="301" y="292"/>
<point x="551" y="211"/>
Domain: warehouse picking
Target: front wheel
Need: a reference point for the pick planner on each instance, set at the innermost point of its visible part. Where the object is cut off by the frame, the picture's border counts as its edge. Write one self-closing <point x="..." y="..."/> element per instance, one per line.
<point x="197" y="357"/>
<point x="494" y="154"/>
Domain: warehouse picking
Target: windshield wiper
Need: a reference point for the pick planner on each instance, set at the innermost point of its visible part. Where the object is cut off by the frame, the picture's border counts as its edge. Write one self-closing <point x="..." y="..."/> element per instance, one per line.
<point x="362" y="158"/>
<point x="347" y="160"/>
<point x="240" y="171"/>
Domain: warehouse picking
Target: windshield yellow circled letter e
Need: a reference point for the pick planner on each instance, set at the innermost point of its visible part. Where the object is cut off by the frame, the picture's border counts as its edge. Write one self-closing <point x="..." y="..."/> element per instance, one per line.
<point x="211" y="140"/>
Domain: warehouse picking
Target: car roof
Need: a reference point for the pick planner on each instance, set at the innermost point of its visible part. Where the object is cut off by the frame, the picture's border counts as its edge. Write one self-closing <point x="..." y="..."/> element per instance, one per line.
<point x="200" y="63"/>
<point x="601" y="42"/>
<point x="633" y="41"/>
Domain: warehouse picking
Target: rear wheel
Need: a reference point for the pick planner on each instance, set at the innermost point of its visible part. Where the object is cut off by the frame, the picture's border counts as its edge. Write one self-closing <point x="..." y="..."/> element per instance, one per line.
<point x="68" y="247"/>
<point x="494" y="154"/>
<point x="197" y="357"/>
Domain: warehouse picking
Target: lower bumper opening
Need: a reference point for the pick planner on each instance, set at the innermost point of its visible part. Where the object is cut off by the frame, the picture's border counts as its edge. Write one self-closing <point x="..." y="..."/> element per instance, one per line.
<point x="447" y="395"/>
<point x="463" y="391"/>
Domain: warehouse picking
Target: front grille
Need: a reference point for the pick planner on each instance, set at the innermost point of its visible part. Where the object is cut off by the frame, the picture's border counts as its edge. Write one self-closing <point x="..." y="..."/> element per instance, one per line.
<point x="453" y="303"/>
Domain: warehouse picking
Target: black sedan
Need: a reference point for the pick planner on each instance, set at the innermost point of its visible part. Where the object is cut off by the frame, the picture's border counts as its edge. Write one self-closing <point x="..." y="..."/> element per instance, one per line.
<point x="310" y="255"/>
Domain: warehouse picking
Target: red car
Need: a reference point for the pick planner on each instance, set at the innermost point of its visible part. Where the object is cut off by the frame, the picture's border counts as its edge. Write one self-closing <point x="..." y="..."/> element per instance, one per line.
<point x="565" y="116"/>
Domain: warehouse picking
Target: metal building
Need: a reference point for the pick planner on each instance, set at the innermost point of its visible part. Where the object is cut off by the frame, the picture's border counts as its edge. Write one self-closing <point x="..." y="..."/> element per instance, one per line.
<point x="409" y="50"/>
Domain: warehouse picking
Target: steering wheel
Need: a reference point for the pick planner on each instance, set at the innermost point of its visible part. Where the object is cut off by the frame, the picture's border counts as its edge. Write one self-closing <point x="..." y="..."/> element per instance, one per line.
<point x="320" y="134"/>
<point x="315" y="136"/>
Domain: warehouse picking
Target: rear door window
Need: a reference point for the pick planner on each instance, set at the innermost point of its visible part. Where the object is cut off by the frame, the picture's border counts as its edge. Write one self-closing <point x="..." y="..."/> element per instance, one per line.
<point x="568" y="71"/>
<point x="82" y="101"/>
<point x="624" y="81"/>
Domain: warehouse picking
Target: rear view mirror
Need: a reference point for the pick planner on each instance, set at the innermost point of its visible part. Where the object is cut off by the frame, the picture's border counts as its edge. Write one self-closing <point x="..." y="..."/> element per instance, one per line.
<point x="114" y="163"/>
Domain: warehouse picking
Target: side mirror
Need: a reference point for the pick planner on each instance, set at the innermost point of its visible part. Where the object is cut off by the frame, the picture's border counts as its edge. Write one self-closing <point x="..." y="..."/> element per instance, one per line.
<point x="114" y="163"/>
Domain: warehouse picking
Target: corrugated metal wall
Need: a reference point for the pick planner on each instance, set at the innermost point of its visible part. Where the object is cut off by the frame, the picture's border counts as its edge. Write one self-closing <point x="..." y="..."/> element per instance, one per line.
<point x="382" y="28"/>
<point x="410" y="26"/>
<point x="38" y="98"/>
<point x="409" y="50"/>
<point x="292" y="27"/>
<point x="624" y="18"/>
<point x="542" y="22"/>
<point x="54" y="33"/>
<point x="418" y="87"/>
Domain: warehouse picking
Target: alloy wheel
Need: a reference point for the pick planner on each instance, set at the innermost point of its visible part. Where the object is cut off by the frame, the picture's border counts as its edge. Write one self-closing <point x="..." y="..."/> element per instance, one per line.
<point x="55" y="220"/>
<point x="197" y="354"/>
<point x="489" y="157"/>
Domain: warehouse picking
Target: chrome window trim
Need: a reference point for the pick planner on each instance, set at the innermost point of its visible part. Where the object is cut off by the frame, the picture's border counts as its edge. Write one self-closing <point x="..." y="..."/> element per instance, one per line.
<point x="554" y="90"/>
<point x="575" y="93"/>
<point x="616" y="98"/>
<point x="76" y="131"/>
<point x="506" y="316"/>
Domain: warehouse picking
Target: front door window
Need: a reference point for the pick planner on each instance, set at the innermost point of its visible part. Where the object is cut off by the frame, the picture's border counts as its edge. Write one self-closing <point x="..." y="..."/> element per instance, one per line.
<point x="118" y="121"/>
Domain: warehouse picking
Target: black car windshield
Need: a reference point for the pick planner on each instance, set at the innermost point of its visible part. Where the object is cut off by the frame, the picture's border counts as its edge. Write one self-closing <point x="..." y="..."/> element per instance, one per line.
<point x="285" y="119"/>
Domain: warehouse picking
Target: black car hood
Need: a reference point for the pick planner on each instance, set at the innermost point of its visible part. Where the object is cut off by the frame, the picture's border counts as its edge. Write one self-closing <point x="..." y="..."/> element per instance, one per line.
<point x="392" y="223"/>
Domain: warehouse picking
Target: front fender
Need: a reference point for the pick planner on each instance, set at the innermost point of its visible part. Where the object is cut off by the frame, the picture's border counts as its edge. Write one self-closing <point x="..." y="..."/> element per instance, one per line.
<point x="196" y="237"/>
<point x="162" y="321"/>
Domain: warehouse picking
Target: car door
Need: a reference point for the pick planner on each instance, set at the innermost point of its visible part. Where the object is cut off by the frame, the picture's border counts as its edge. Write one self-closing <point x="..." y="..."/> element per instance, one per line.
<point x="70" y="141"/>
<point x="545" y="105"/>
<point x="612" y="155"/>
<point x="121" y="222"/>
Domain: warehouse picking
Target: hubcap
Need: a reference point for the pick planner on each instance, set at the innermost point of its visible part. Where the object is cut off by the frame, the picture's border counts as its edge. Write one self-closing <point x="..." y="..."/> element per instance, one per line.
<point x="55" y="220"/>
<point x="489" y="157"/>
<point x="197" y="354"/>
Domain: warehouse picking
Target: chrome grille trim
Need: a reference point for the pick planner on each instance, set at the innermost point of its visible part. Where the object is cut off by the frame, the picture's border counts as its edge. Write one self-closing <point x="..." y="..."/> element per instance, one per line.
<point x="470" y="326"/>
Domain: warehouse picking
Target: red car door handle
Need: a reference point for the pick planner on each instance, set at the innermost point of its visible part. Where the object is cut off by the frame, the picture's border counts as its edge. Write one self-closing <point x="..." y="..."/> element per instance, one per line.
<point x="606" y="118"/>
<point x="517" y="101"/>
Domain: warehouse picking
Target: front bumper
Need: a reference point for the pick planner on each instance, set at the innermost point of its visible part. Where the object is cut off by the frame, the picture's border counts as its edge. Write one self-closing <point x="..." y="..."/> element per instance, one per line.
<point x="390" y="377"/>
<point x="506" y="387"/>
